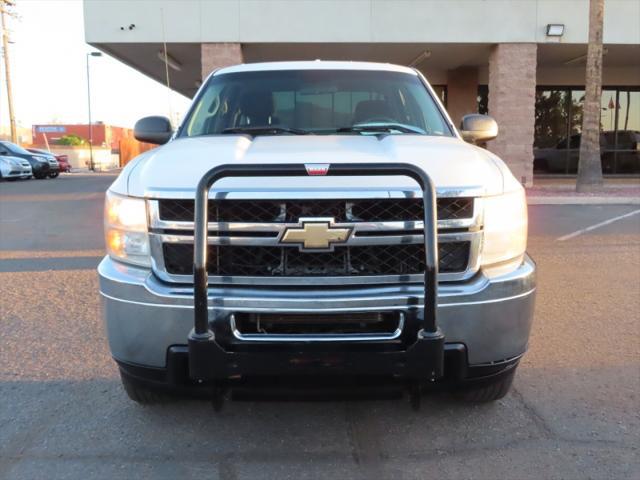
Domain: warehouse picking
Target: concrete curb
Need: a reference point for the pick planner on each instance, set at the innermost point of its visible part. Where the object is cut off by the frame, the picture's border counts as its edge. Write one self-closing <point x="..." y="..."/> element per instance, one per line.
<point x="87" y="173"/>
<point x="583" y="200"/>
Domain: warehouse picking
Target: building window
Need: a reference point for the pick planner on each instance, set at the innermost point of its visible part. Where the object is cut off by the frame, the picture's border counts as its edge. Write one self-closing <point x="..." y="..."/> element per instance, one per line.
<point x="558" y="124"/>
<point x="441" y="92"/>
<point x="483" y="99"/>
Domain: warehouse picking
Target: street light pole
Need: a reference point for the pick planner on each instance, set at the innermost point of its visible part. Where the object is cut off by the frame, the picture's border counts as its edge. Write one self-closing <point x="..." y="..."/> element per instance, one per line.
<point x="90" y="54"/>
<point x="7" y="69"/>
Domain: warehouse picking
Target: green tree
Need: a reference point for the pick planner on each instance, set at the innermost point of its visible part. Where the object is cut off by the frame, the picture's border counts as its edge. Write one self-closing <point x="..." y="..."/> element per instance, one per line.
<point x="72" y="139"/>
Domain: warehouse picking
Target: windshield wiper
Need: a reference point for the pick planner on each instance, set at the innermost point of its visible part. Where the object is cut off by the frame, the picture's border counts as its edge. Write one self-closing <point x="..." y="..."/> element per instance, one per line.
<point x="381" y="127"/>
<point x="265" y="130"/>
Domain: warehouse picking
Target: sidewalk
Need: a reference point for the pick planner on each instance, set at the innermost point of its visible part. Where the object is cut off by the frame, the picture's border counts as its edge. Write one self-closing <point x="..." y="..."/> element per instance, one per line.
<point x="86" y="171"/>
<point x="562" y="191"/>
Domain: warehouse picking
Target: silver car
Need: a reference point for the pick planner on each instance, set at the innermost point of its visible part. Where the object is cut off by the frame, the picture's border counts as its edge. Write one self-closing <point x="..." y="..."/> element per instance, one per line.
<point x="13" y="168"/>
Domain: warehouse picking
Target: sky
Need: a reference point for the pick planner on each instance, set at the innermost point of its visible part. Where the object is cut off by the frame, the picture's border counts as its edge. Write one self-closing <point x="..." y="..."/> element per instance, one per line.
<point x="49" y="78"/>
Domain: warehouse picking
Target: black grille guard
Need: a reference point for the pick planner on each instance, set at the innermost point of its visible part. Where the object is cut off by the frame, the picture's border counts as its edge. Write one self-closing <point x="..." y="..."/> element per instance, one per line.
<point x="202" y="335"/>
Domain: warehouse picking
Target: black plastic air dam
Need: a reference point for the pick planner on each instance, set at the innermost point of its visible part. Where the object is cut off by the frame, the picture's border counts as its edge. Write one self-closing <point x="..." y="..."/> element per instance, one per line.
<point x="423" y="360"/>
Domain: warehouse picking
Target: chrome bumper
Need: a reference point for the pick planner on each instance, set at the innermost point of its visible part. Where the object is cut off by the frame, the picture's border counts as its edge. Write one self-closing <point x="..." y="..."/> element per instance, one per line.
<point x="144" y="316"/>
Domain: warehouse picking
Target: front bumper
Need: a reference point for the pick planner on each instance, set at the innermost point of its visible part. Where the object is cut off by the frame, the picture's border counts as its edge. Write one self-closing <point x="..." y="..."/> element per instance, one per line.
<point x="490" y="317"/>
<point x="41" y="168"/>
<point x="22" y="173"/>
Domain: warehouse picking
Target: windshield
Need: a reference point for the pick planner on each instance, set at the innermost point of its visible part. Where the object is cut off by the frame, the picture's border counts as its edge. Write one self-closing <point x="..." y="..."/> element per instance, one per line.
<point x="12" y="147"/>
<point x="347" y="102"/>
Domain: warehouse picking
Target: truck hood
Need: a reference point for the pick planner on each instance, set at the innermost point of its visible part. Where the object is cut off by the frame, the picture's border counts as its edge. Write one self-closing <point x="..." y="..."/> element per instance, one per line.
<point x="173" y="170"/>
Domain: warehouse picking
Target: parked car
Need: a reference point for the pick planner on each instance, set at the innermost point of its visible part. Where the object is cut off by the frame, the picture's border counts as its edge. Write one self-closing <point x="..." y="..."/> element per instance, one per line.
<point x="13" y="168"/>
<point x="63" y="161"/>
<point x="49" y="156"/>
<point x="42" y="166"/>
<point x="619" y="153"/>
<point x="359" y="237"/>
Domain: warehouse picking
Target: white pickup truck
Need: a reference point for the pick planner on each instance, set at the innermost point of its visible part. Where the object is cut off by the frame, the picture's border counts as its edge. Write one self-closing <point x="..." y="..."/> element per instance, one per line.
<point x="322" y="223"/>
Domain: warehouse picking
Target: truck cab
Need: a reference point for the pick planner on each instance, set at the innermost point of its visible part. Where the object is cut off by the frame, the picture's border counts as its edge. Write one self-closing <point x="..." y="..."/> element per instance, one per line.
<point x="316" y="220"/>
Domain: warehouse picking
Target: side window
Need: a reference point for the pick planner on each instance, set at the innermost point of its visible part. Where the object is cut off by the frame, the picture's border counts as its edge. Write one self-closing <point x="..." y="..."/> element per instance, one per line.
<point x="345" y="104"/>
<point x="410" y="109"/>
<point x="317" y="109"/>
<point x="429" y="117"/>
<point x="284" y="107"/>
<point x="207" y="109"/>
<point x="314" y="110"/>
<point x="624" y="140"/>
<point x="575" y="141"/>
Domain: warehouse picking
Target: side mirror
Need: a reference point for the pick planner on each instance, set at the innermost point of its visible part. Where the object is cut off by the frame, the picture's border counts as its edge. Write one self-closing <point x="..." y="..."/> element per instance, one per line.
<point x="478" y="128"/>
<point x="156" y="130"/>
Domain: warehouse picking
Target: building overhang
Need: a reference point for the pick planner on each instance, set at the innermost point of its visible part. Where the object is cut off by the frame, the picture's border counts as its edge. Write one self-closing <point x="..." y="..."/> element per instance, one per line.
<point x="185" y="75"/>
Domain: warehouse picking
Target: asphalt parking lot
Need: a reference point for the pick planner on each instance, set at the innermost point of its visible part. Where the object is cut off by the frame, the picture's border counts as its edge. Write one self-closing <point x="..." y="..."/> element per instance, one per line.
<point x="574" y="411"/>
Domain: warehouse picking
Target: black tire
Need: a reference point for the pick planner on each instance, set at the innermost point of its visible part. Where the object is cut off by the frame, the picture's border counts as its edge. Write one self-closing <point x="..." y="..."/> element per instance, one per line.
<point x="142" y="394"/>
<point x="54" y="175"/>
<point x="488" y="392"/>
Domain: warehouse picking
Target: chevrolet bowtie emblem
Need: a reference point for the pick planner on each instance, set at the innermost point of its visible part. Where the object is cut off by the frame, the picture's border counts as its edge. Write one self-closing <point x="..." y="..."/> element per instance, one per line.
<point x="316" y="235"/>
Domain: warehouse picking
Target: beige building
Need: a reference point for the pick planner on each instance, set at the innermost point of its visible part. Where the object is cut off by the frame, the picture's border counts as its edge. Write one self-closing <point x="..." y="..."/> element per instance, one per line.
<point x="522" y="61"/>
<point x="24" y="134"/>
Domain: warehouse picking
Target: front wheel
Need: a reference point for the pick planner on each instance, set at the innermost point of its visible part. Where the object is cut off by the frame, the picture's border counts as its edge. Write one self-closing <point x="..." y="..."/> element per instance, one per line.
<point x="54" y="175"/>
<point x="488" y="392"/>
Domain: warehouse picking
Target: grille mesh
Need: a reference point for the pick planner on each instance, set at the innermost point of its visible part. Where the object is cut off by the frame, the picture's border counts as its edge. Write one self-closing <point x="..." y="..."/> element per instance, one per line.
<point x="289" y="261"/>
<point x="315" y="323"/>
<point x="378" y="210"/>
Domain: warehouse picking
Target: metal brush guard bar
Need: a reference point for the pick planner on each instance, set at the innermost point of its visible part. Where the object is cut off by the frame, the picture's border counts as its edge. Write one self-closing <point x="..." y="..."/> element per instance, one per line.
<point x="426" y="358"/>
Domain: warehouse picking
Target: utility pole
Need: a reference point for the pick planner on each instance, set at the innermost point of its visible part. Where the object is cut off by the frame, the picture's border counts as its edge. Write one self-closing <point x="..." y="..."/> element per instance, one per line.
<point x="91" y="167"/>
<point x="91" y="163"/>
<point x="7" y="68"/>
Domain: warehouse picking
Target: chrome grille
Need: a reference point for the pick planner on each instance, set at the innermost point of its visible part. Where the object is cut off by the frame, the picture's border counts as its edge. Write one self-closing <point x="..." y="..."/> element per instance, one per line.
<point x="289" y="261"/>
<point x="365" y="210"/>
<point x="386" y="245"/>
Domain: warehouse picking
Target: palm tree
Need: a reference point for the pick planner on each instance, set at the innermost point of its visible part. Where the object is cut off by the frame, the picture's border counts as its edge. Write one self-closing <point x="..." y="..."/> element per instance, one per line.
<point x="590" y="166"/>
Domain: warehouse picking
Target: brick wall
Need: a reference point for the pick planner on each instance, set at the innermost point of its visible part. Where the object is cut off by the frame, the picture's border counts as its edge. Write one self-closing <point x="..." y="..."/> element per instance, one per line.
<point x="218" y="55"/>
<point x="98" y="133"/>
<point x="512" y="89"/>
<point x="103" y="135"/>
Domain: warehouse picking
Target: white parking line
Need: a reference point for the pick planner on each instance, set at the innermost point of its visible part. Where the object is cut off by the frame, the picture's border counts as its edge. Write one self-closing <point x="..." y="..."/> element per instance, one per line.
<point x="597" y="225"/>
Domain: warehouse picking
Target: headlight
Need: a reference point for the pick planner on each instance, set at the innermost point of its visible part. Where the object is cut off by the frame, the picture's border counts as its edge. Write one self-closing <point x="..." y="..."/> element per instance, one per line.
<point x="505" y="227"/>
<point x="125" y="227"/>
